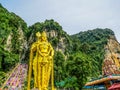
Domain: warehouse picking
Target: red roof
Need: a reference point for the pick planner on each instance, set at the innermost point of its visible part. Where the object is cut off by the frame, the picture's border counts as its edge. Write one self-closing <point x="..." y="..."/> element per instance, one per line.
<point x="115" y="86"/>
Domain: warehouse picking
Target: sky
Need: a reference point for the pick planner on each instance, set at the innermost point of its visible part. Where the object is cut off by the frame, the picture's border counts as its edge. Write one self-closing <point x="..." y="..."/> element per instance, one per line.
<point x="73" y="15"/>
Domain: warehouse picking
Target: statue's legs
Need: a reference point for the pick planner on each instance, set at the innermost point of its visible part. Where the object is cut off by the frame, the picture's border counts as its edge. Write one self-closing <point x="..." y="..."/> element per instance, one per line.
<point x="48" y="73"/>
<point x="44" y="77"/>
<point x="44" y="71"/>
<point x="39" y="76"/>
<point x="35" y="74"/>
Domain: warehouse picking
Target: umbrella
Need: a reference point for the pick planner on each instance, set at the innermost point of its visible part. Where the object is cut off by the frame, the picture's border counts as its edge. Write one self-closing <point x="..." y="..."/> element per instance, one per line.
<point x="115" y="86"/>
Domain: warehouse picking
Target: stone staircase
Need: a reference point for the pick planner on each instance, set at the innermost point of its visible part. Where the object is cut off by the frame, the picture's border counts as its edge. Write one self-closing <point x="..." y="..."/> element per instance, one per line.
<point x="16" y="79"/>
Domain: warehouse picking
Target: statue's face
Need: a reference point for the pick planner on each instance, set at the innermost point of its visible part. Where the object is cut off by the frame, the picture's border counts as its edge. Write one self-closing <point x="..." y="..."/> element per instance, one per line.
<point x="44" y="38"/>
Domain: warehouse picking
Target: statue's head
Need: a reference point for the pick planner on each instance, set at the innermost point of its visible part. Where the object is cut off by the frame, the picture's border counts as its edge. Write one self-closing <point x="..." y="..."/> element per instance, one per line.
<point x="44" y="36"/>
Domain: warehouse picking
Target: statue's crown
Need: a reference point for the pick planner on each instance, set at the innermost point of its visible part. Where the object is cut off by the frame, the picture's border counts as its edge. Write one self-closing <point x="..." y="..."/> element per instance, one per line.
<point x="44" y="34"/>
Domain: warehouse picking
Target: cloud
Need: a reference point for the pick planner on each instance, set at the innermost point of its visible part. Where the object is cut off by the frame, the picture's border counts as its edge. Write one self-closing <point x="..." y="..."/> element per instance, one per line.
<point x="73" y="15"/>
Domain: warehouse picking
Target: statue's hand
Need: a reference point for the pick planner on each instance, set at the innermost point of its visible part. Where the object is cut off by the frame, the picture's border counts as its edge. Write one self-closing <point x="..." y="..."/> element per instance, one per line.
<point x="33" y="47"/>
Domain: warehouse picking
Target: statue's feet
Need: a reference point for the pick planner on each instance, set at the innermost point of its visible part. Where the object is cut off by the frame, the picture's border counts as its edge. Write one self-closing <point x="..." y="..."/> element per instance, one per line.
<point x="45" y="89"/>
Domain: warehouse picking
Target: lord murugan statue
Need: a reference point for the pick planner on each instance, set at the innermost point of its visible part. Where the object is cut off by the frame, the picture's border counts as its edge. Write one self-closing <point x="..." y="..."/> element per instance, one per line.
<point x="41" y="63"/>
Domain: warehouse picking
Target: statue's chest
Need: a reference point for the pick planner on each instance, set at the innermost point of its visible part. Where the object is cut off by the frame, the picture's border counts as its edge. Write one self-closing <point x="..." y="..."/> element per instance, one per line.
<point x="43" y="46"/>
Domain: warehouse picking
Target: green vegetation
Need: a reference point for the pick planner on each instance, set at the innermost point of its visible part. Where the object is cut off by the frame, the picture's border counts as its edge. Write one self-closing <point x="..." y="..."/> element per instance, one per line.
<point x="9" y="40"/>
<point x="93" y="42"/>
<point x="77" y="59"/>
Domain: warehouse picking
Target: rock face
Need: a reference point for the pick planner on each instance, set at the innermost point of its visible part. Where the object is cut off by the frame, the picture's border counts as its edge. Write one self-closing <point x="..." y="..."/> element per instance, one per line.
<point x="20" y="43"/>
<point x="52" y="33"/>
<point x="8" y="42"/>
<point x="62" y="42"/>
<point x="23" y="43"/>
<point x="111" y="63"/>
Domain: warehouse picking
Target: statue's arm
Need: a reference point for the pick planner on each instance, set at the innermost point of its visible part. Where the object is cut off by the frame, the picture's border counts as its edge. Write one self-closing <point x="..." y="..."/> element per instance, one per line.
<point x="51" y="50"/>
<point x="34" y="47"/>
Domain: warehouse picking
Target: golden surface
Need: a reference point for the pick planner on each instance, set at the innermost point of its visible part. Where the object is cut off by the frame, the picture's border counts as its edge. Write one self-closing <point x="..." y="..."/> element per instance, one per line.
<point x="41" y="62"/>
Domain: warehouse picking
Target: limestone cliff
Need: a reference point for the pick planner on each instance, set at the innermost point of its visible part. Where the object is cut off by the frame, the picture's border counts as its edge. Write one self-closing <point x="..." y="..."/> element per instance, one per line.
<point x="111" y="63"/>
<point x="16" y="43"/>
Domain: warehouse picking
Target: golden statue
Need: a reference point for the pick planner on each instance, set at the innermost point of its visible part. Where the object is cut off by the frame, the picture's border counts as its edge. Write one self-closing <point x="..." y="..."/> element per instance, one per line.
<point x="41" y="62"/>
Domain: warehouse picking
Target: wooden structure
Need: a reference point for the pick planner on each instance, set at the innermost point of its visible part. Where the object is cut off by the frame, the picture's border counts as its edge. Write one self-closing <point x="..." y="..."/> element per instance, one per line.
<point x="107" y="81"/>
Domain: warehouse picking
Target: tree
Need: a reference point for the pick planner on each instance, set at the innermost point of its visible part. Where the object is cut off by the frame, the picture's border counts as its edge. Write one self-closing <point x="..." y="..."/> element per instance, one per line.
<point x="59" y="66"/>
<point x="79" y="66"/>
